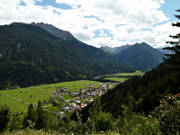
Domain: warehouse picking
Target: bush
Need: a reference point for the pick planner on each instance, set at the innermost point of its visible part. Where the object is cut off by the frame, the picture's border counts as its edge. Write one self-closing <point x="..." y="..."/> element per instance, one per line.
<point x="169" y="114"/>
<point x="132" y="123"/>
<point x="16" y="123"/>
<point x="104" y="122"/>
<point x="137" y="124"/>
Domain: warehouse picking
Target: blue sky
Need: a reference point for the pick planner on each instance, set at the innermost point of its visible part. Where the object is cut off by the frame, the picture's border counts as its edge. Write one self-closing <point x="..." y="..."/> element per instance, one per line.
<point x="54" y="4"/>
<point x="169" y="8"/>
<point x="99" y="22"/>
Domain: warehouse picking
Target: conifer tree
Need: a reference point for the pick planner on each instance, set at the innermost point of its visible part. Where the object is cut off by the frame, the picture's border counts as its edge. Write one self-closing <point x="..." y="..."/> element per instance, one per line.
<point x="31" y="115"/>
<point x="41" y="117"/>
<point x="174" y="58"/>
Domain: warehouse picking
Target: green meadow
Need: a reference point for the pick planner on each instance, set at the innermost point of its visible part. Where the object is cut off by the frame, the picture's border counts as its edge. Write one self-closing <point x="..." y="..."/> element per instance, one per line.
<point x="121" y="77"/>
<point x="19" y="99"/>
<point x="116" y="79"/>
<point x="130" y="74"/>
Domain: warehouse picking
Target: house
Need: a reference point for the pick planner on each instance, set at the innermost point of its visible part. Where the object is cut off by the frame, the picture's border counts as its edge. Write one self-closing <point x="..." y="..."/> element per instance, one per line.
<point x="74" y="93"/>
<point x="61" y="99"/>
<point x="94" y="93"/>
<point x="65" y="108"/>
<point x="78" y="101"/>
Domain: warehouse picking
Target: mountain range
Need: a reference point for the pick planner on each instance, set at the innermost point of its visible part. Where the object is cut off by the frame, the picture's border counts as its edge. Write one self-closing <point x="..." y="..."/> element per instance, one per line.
<point x="40" y="53"/>
<point x="140" y="55"/>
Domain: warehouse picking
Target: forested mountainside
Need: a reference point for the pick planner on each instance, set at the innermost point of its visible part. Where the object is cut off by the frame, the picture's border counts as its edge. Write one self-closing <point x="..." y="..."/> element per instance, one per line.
<point x="141" y="55"/>
<point x="31" y="55"/>
<point x="141" y="94"/>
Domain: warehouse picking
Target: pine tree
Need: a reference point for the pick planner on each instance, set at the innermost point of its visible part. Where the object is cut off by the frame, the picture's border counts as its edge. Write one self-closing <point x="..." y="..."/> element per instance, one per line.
<point x="41" y="117"/>
<point x="174" y="58"/>
<point x="31" y="115"/>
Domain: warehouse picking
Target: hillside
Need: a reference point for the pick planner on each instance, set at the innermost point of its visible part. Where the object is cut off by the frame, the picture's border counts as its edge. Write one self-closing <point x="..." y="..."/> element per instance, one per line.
<point x="141" y="55"/>
<point x="140" y="94"/>
<point x="30" y="55"/>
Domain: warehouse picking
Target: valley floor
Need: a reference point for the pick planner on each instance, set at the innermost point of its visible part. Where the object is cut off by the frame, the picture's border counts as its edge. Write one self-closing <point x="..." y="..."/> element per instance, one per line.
<point x="78" y="93"/>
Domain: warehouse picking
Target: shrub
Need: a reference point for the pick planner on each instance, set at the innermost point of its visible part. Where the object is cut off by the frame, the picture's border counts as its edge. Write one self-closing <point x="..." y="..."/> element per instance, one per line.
<point x="16" y="122"/>
<point x="169" y="114"/>
<point x="104" y="121"/>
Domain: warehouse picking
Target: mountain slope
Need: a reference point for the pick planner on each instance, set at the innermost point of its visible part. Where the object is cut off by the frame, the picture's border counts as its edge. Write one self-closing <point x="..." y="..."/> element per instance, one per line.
<point x="114" y="50"/>
<point x="64" y="35"/>
<point x="140" y="94"/>
<point x="107" y="49"/>
<point x="142" y="56"/>
<point x="30" y="55"/>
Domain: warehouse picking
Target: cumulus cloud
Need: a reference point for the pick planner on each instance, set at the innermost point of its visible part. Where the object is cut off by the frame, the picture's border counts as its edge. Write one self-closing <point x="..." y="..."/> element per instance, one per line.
<point x="88" y="16"/>
<point x="83" y="36"/>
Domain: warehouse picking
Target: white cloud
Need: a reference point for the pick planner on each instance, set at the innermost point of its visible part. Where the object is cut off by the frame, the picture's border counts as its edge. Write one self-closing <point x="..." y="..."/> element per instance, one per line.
<point x="135" y="14"/>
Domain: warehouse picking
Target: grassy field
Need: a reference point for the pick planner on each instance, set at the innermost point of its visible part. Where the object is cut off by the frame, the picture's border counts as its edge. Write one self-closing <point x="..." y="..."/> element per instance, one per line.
<point x="121" y="77"/>
<point x="129" y="74"/>
<point x="116" y="79"/>
<point x="19" y="99"/>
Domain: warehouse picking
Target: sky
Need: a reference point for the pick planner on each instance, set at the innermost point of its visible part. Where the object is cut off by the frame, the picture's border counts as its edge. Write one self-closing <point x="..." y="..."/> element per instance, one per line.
<point x="100" y="22"/>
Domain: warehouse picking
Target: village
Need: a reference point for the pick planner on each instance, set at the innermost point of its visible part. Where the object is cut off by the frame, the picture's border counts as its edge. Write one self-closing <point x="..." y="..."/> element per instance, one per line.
<point x="63" y="101"/>
<point x="72" y="101"/>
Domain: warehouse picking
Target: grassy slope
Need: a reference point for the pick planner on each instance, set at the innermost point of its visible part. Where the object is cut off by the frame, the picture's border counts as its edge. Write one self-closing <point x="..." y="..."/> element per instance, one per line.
<point x="32" y="95"/>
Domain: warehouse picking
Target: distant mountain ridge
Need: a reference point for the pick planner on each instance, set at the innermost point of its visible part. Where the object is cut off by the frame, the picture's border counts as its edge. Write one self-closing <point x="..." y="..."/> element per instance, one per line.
<point x="141" y="55"/>
<point x="29" y="55"/>
<point x="114" y="50"/>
